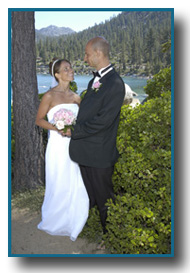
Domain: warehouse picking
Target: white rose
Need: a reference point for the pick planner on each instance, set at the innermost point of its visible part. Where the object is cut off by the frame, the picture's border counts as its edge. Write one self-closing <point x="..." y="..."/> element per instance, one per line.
<point x="60" y="124"/>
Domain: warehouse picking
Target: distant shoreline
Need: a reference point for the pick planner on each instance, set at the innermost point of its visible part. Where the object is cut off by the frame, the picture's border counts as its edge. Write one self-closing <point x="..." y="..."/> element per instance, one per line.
<point x="83" y="69"/>
<point x="121" y="75"/>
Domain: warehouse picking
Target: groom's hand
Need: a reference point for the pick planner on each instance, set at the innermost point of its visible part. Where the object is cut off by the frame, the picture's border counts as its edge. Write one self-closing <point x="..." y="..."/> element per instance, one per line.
<point x="68" y="133"/>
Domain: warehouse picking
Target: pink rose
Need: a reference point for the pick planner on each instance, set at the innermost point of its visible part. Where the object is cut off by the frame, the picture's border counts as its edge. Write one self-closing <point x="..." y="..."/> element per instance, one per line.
<point x="96" y="85"/>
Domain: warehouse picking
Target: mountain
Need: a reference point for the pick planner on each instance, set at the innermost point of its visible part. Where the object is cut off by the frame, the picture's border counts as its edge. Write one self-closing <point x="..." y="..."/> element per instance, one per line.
<point x="53" y="31"/>
<point x="136" y="41"/>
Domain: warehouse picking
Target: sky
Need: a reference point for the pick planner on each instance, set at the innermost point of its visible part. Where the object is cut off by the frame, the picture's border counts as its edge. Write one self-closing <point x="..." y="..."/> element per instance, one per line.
<point x="76" y="20"/>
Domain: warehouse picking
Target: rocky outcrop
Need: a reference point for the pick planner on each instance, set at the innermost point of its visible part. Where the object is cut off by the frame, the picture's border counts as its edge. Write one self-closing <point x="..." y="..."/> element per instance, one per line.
<point x="129" y="96"/>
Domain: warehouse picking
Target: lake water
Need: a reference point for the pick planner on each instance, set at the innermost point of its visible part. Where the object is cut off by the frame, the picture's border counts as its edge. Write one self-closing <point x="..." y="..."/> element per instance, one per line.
<point x="136" y="84"/>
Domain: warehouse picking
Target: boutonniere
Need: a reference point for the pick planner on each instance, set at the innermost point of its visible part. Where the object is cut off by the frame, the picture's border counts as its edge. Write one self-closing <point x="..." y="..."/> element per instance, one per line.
<point x="96" y="86"/>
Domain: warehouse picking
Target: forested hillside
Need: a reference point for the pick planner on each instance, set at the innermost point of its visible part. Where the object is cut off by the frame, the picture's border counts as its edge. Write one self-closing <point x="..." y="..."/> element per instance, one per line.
<point x="136" y="40"/>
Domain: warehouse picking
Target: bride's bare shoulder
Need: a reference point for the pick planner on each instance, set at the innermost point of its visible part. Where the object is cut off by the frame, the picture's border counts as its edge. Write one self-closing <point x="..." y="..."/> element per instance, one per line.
<point x="47" y="97"/>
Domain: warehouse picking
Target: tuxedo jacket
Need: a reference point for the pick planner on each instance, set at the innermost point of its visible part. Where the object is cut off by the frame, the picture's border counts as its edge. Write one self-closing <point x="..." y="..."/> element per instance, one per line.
<point x="93" y="141"/>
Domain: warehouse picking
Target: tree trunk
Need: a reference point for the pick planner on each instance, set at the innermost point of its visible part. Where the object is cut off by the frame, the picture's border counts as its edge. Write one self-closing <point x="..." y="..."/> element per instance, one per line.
<point x="29" y="154"/>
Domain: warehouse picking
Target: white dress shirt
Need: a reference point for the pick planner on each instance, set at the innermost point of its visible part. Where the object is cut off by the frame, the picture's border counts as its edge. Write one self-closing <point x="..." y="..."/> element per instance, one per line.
<point x="102" y="74"/>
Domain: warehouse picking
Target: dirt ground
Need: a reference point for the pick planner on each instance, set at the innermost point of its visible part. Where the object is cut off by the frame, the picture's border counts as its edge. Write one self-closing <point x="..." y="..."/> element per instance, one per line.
<point x="27" y="239"/>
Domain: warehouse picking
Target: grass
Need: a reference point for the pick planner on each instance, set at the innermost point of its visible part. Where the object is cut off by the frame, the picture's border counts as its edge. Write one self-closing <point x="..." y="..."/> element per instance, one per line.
<point x="29" y="199"/>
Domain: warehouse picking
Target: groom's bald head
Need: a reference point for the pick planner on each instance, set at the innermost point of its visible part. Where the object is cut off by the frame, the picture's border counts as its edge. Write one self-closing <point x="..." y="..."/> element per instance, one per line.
<point x="101" y="44"/>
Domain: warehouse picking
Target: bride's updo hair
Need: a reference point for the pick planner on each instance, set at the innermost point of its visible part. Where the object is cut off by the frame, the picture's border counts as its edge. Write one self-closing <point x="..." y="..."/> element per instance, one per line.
<point x="54" y="66"/>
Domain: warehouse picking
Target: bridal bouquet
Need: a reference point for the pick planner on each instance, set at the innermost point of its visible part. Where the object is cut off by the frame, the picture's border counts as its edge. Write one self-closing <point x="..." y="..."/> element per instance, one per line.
<point x="64" y="119"/>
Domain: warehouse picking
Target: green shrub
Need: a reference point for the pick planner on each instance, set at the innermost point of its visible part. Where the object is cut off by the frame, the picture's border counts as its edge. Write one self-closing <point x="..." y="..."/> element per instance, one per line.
<point x="139" y="221"/>
<point x="93" y="229"/>
<point x="160" y="83"/>
<point x="135" y="228"/>
<point x="40" y="96"/>
<point x="83" y="94"/>
<point x="73" y="86"/>
<point x="144" y="142"/>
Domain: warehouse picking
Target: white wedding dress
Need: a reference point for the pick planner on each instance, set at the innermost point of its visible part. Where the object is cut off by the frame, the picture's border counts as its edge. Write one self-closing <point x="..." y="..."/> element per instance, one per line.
<point x="66" y="203"/>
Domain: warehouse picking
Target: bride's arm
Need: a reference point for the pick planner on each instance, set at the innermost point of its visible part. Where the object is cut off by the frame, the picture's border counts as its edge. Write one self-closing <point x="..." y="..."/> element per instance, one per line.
<point x="42" y="112"/>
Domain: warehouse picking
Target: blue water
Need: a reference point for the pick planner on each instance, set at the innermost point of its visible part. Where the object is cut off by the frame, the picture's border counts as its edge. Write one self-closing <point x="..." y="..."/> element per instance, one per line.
<point x="136" y="84"/>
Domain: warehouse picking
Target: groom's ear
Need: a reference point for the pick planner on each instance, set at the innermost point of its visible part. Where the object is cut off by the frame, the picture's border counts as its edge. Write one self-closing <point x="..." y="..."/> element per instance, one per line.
<point x="98" y="52"/>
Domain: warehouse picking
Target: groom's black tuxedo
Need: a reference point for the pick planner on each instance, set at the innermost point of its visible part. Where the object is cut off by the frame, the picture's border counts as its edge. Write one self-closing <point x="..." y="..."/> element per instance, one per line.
<point x="93" y="141"/>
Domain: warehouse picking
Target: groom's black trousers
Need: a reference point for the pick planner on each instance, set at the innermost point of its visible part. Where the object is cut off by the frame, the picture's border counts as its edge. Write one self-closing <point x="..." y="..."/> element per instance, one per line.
<point x="98" y="183"/>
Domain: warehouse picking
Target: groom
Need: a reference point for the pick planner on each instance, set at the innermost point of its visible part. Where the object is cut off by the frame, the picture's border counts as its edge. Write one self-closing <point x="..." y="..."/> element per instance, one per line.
<point x="93" y="141"/>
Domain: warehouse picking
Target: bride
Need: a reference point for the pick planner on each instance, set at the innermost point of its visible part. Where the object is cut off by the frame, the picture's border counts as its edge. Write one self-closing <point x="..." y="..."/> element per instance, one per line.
<point x="66" y="204"/>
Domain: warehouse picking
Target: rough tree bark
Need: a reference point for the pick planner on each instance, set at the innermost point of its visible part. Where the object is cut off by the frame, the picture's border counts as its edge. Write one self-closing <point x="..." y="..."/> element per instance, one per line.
<point x="29" y="154"/>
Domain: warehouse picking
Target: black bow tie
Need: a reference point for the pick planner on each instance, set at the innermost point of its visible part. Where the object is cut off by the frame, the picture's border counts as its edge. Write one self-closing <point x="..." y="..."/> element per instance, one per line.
<point x="97" y="74"/>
